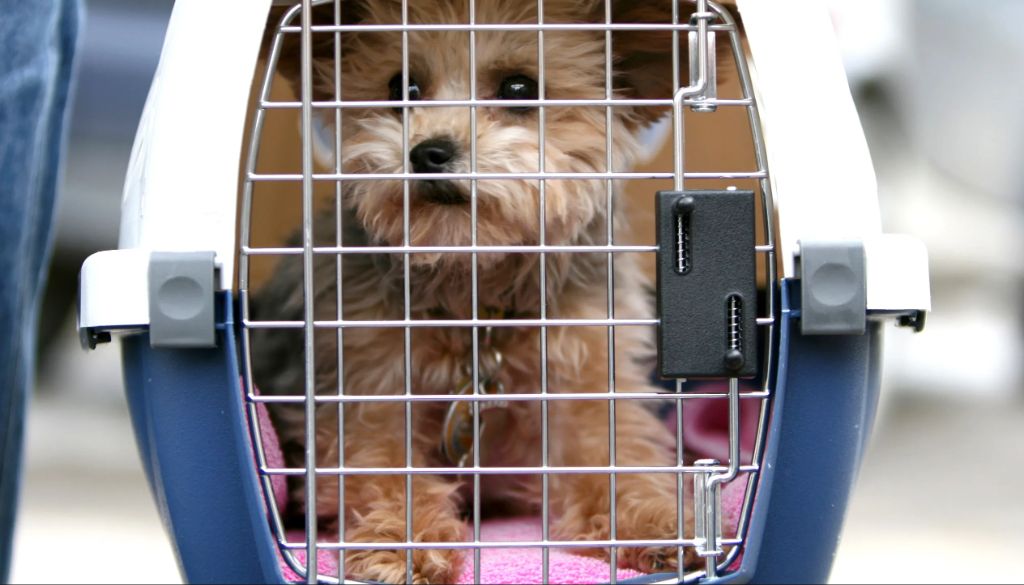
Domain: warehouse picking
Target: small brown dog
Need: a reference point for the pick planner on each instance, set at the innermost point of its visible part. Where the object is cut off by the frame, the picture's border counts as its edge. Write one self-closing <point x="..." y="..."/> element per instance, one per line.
<point x="509" y="284"/>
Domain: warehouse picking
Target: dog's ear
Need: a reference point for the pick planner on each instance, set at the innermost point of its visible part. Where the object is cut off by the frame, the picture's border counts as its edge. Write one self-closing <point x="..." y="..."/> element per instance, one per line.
<point x="644" y="57"/>
<point x="289" y="62"/>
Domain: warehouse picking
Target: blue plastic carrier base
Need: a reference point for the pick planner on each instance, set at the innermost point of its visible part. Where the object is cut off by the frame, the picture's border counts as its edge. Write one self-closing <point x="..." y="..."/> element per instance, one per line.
<point x="189" y="417"/>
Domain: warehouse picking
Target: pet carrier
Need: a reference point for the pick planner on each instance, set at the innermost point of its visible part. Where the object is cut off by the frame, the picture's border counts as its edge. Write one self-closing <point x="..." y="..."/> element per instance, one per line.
<point x="773" y="284"/>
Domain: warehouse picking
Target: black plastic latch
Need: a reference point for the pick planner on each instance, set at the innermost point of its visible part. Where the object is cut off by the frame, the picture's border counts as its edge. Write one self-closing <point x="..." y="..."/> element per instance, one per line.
<point x="707" y="284"/>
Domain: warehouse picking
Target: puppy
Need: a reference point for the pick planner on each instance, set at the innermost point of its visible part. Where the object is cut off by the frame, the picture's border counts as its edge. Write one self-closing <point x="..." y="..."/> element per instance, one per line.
<point x="509" y="284"/>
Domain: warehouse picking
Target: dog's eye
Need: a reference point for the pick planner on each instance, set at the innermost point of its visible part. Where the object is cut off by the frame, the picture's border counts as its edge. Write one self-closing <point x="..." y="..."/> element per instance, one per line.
<point x="518" y="87"/>
<point x="395" y="87"/>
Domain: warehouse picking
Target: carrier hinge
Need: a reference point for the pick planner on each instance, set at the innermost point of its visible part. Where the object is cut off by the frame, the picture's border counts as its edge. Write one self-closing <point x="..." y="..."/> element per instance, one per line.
<point x="704" y="101"/>
<point x="707" y="502"/>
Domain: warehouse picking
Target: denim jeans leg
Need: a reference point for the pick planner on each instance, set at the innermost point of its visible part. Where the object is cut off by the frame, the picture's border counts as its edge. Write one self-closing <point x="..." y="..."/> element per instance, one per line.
<point x="37" y="41"/>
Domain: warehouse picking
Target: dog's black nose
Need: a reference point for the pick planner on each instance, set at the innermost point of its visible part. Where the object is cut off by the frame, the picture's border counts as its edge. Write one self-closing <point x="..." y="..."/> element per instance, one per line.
<point x="433" y="155"/>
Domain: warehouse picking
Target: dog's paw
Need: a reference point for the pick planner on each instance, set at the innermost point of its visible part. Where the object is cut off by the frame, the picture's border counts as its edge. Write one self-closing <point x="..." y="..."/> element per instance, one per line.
<point x="656" y="559"/>
<point x="652" y="559"/>
<point x="652" y="517"/>
<point x="389" y="565"/>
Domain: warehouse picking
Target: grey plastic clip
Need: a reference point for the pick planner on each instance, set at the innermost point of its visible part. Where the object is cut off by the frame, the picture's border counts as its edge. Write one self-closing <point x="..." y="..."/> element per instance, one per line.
<point x="833" y="288"/>
<point x="181" y="299"/>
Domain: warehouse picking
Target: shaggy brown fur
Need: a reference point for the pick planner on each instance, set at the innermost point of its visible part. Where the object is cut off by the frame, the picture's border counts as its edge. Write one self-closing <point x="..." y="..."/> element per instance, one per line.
<point x="508" y="212"/>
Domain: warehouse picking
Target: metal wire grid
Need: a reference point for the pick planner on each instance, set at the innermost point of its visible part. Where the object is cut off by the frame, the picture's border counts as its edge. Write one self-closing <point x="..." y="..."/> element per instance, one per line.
<point x="709" y="475"/>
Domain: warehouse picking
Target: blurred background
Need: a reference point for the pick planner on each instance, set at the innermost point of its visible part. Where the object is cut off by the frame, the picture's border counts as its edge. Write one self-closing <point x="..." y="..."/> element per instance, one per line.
<point x="938" y="84"/>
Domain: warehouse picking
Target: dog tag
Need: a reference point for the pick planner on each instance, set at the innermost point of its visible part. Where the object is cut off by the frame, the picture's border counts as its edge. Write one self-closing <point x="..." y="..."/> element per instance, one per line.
<point x="457" y="442"/>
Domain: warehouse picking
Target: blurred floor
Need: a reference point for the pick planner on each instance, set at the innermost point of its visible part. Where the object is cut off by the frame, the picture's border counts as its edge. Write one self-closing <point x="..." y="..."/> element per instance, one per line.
<point x="86" y="512"/>
<point x="939" y="496"/>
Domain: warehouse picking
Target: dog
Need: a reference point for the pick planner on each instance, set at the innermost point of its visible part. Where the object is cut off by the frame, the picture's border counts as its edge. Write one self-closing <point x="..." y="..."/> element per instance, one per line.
<point x="508" y="285"/>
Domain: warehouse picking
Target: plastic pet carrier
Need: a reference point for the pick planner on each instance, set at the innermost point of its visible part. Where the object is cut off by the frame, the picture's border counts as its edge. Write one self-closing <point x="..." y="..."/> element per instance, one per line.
<point x="488" y="291"/>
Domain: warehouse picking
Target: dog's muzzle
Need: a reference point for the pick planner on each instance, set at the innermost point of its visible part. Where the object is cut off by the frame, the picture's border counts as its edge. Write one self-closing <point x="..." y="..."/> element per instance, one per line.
<point x="441" y="192"/>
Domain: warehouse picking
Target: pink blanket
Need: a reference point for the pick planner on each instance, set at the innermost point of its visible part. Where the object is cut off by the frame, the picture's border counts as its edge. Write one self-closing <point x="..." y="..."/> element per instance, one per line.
<point x="506" y="565"/>
<point x="706" y="425"/>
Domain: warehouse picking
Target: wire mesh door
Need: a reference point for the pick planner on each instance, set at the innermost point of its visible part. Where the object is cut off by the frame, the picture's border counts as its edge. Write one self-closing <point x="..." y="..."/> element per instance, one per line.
<point x="462" y="326"/>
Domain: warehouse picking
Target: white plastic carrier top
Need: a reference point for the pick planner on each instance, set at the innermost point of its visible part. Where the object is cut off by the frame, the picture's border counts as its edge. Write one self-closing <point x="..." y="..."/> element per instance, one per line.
<point x="181" y="190"/>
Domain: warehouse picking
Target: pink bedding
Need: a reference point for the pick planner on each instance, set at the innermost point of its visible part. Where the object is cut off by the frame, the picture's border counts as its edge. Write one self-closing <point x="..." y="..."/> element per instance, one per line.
<point x="706" y="425"/>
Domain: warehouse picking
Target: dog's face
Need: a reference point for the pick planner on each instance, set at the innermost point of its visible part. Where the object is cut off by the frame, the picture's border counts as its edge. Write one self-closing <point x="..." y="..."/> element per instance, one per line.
<point x="441" y="140"/>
